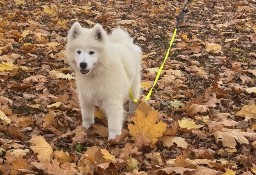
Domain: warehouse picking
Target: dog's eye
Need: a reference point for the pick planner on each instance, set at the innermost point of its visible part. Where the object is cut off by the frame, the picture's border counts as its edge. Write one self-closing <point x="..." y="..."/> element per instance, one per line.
<point x="79" y="51"/>
<point x="91" y="52"/>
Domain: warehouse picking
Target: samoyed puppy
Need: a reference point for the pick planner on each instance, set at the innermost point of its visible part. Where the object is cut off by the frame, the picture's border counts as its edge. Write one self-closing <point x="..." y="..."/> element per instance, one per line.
<point x="106" y="67"/>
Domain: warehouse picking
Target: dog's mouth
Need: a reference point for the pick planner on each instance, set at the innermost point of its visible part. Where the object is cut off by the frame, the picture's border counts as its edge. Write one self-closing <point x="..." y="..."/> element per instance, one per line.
<point x="84" y="71"/>
<point x="87" y="71"/>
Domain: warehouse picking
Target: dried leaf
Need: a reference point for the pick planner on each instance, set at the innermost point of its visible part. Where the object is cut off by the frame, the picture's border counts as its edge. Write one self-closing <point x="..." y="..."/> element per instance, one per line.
<point x="212" y="47"/>
<point x="180" y="142"/>
<point x="4" y="118"/>
<point x="229" y="172"/>
<point x="145" y="129"/>
<point x="62" y="156"/>
<point x="107" y="156"/>
<point x="42" y="148"/>
<point x="247" y="111"/>
<point x="229" y="137"/>
<point x="7" y="67"/>
<point x="189" y="124"/>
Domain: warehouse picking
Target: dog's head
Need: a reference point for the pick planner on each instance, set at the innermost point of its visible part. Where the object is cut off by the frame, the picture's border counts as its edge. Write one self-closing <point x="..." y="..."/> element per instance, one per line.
<point x="85" y="47"/>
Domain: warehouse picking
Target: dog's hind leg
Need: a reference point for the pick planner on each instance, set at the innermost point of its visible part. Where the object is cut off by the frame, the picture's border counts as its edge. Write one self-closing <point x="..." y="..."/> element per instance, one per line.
<point x="136" y="94"/>
<point x="115" y="114"/>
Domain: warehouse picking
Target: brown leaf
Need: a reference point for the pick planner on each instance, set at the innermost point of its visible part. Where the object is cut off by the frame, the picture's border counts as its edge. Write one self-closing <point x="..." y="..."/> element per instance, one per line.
<point x="80" y="135"/>
<point x="63" y="157"/>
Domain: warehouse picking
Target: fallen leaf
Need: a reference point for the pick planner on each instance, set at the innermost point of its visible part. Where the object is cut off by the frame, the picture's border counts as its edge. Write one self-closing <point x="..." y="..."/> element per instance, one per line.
<point x="80" y="135"/>
<point x="229" y="172"/>
<point x="200" y="170"/>
<point x="178" y="170"/>
<point x="55" y="105"/>
<point x="63" y="157"/>
<point x="18" y="152"/>
<point x="55" y="168"/>
<point x="61" y="75"/>
<point x="132" y="164"/>
<point x="20" y="2"/>
<point x="107" y="156"/>
<point x="145" y="85"/>
<point x="247" y="111"/>
<point x="7" y="67"/>
<point x="251" y="90"/>
<point x="51" y="10"/>
<point x="177" y="104"/>
<point x="17" y="164"/>
<point x="212" y="48"/>
<point x="229" y="137"/>
<point x="180" y="142"/>
<point x="145" y="129"/>
<point x="197" y="108"/>
<point x="189" y="124"/>
<point x="42" y="148"/>
<point x="4" y="118"/>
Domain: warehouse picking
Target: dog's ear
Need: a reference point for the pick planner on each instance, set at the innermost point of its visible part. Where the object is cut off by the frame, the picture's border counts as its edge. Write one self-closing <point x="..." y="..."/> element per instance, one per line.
<point x="74" y="31"/>
<point x="99" y="32"/>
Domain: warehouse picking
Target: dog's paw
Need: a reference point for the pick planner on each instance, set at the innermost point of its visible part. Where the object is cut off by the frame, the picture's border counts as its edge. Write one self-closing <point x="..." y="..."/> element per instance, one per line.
<point x="113" y="133"/>
<point x="87" y="123"/>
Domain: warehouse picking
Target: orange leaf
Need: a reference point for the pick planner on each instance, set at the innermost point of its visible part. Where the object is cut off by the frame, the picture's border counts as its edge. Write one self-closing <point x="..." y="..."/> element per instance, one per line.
<point x="145" y="129"/>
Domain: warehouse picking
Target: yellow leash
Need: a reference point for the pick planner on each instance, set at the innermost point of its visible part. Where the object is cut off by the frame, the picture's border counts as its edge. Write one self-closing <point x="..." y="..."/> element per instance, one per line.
<point x="158" y="72"/>
<point x="179" y="19"/>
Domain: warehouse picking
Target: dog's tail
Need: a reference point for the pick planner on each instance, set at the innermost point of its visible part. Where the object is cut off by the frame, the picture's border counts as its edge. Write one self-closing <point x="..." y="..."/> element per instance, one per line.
<point x="120" y="35"/>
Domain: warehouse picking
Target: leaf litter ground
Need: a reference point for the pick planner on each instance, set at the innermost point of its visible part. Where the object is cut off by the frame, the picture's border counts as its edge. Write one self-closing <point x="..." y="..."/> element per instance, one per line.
<point x="204" y="101"/>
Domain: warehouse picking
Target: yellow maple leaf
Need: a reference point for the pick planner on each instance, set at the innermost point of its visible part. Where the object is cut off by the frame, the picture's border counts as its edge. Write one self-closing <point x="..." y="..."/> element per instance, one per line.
<point x="7" y="67"/>
<point x="145" y="129"/>
<point x="107" y="155"/>
<point x="4" y="117"/>
<point x="188" y="124"/>
<point x="42" y="148"/>
<point x="248" y="111"/>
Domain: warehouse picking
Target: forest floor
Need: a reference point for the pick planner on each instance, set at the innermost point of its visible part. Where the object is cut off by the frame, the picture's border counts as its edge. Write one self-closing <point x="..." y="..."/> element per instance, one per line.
<point x="201" y="118"/>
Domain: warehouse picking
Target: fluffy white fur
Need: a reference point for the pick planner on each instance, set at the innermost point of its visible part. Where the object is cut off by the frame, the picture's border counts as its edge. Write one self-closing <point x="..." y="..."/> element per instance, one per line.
<point x="106" y="67"/>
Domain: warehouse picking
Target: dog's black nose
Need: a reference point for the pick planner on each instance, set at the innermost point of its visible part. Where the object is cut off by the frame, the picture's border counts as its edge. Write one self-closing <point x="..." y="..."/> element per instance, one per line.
<point x="83" y="65"/>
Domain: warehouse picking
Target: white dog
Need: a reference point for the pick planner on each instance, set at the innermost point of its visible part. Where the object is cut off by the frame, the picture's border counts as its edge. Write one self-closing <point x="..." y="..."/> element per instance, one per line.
<point x="106" y="67"/>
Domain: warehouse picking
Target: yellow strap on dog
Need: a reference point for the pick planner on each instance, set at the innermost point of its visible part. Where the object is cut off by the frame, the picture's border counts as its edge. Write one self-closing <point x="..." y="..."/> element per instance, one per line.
<point x="158" y="72"/>
<point x="131" y="96"/>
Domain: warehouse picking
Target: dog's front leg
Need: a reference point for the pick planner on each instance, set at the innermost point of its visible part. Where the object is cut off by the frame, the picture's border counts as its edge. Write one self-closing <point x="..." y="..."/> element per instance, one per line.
<point x="87" y="110"/>
<point x="114" y="112"/>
